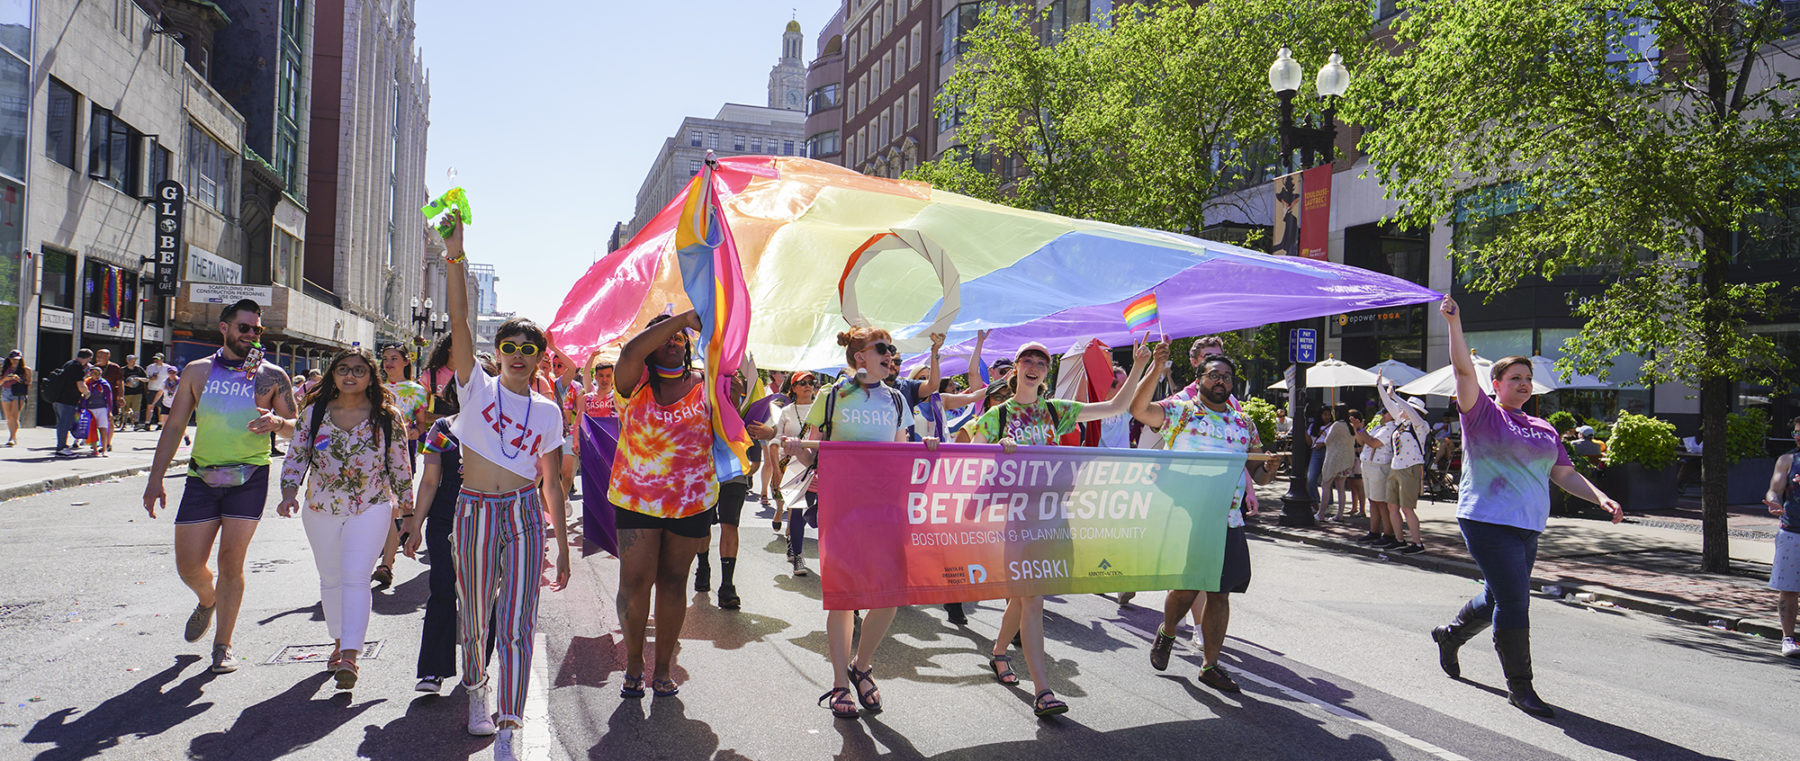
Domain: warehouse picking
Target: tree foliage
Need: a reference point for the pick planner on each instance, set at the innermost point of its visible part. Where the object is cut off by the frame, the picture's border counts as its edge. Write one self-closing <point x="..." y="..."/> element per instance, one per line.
<point x="1145" y="121"/>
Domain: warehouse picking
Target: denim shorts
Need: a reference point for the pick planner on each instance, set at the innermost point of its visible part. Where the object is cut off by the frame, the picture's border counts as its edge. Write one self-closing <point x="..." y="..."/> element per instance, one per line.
<point x="201" y="503"/>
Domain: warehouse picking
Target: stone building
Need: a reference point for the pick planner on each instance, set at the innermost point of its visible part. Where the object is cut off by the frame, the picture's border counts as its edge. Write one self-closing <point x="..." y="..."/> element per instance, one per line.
<point x="825" y="94"/>
<point x="365" y="240"/>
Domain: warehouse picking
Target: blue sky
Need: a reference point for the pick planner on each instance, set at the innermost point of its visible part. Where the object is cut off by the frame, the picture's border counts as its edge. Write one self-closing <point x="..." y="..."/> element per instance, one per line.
<point x="551" y="118"/>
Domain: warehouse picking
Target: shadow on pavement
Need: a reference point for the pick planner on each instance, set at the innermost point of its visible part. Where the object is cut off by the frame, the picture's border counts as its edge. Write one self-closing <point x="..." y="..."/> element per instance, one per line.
<point x="316" y="611"/>
<point x="423" y="726"/>
<point x="658" y="728"/>
<point x="145" y="710"/>
<point x="592" y="662"/>
<point x="281" y="725"/>
<point x="404" y="598"/>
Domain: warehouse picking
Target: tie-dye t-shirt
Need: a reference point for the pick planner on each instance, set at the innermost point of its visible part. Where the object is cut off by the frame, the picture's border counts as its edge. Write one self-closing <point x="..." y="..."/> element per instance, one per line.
<point x="1194" y="427"/>
<point x="664" y="465"/>
<point x="1507" y="457"/>
<point x="409" y="397"/>
<point x="222" y="419"/>
<point x="1029" y="424"/>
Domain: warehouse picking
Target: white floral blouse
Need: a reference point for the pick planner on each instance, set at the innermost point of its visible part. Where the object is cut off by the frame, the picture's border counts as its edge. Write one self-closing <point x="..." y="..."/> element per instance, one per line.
<point x="349" y="472"/>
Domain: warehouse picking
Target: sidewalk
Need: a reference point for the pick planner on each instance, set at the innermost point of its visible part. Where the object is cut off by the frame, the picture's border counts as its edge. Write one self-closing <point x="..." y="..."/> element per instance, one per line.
<point x="32" y="466"/>
<point x="1649" y="563"/>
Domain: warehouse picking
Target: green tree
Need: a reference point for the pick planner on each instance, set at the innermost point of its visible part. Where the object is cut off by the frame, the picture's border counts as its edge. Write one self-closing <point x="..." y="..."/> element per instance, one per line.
<point x="1637" y="136"/>
<point x="1146" y="121"/>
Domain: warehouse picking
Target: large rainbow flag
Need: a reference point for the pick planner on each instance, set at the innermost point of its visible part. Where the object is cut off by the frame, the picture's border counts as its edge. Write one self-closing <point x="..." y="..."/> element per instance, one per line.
<point x="1026" y="275"/>
<point x="713" y="280"/>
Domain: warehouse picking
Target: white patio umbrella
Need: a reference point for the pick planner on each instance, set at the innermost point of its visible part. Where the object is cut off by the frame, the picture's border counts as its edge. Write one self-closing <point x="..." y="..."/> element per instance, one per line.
<point x="1332" y="373"/>
<point x="1442" y="381"/>
<point x="1397" y="371"/>
<point x="1545" y="367"/>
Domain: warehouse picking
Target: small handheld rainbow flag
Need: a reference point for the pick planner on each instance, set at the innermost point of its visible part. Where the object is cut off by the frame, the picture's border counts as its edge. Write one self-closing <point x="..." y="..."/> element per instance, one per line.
<point x="1141" y="312"/>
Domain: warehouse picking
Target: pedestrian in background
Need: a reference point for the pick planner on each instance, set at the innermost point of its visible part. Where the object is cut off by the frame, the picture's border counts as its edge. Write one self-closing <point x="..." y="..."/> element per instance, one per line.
<point x="132" y="393"/>
<point x="1509" y="460"/>
<point x="63" y="387"/>
<point x="97" y="404"/>
<point x="1339" y="446"/>
<point x="409" y="398"/>
<point x="158" y="371"/>
<point x="1406" y="468"/>
<point x="352" y="442"/>
<point x="115" y="379"/>
<point x="15" y="383"/>
<point x="1783" y="500"/>
<point x="1375" y="456"/>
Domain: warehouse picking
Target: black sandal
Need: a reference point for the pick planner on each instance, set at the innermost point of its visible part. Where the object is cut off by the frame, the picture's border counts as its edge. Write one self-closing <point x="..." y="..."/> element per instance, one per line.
<point x="865" y="697"/>
<point x="1006" y="677"/>
<point x="842" y="706"/>
<point x="1047" y="705"/>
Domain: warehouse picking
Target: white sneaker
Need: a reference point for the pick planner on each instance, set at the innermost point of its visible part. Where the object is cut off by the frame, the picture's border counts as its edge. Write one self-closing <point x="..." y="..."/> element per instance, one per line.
<point x="1790" y="648"/>
<point x="506" y="745"/>
<point x="481" y="710"/>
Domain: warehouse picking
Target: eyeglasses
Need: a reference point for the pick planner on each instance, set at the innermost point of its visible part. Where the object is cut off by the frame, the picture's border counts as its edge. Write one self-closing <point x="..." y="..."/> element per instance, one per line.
<point x="351" y="370"/>
<point x="881" y="347"/>
<point x="808" y="383"/>
<point x="523" y="350"/>
<point x="244" y="327"/>
<point x="1218" y="378"/>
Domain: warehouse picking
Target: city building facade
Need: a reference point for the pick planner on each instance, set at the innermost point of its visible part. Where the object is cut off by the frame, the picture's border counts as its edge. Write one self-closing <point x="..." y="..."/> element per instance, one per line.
<point x="365" y="244"/>
<point x="889" y="84"/>
<point x="825" y="94"/>
<point x="737" y="130"/>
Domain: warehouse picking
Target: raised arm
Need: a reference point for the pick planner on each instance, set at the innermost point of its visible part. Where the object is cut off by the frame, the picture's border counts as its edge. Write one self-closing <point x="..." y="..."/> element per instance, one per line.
<point x="935" y="376"/>
<point x="1120" y="403"/>
<point x="628" y="372"/>
<point x="1468" y="386"/>
<point x="462" y="335"/>
<point x="1399" y="410"/>
<point x="1146" y="411"/>
<point x="975" y="356"/>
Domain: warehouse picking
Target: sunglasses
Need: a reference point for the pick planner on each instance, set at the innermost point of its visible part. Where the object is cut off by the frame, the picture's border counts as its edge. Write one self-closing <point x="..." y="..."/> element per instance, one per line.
<point x="251" y="329"/>
<point x="885" y="348"/>
<point x="523" y="350"/>
<point x="810" y="383"/>
<point x="351" y="370"/>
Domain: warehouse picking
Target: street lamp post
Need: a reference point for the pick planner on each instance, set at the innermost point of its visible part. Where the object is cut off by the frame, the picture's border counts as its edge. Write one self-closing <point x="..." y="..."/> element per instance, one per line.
<point x="1312" y="142"/>
<point x="421" y="319"/>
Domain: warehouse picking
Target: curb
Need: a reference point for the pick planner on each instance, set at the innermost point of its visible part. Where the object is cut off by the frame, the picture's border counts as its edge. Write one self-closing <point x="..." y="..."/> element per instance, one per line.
<point x="29" y="488"/>
<point x="1572" y="590"/>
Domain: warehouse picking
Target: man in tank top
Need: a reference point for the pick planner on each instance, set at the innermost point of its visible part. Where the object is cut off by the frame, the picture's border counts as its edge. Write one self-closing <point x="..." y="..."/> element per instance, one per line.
<point x="238" y="401"/>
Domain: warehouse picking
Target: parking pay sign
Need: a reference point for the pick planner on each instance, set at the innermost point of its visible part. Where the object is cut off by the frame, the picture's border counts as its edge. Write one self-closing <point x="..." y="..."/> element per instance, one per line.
<point x="1303" y="345"/>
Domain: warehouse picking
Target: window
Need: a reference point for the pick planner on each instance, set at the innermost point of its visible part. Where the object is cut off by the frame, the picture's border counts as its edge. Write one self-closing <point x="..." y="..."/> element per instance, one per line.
<point x="887" y="70"/>
<point x="850" y="49"/>
<point x="694" y="139"/>
<point x="1634" y="56"/>
<point x="854" y="95"/>
<point x="59" y="279"/>
<point x="850" y="150"/>
<point x="900" y="54"/>
<point x="885" y="132"/>
<point x="288" y="262"/>
<point x="959" y="21"/>
<point x="60" y="126"/>
<point x="875" y="25"/>
<point x="290" y="87"/>
<point x="160" y="158"/>
<point x="787" y="147"/>
<point x="693" y="167"/>
<point x="756" y="145"/>
<point x="209" y="168"/>
<point x="913" y="44"/>
<point x="114" y="151"/>
<point x="823" y="144"/>
<point x="875" y="78"/>
<point x="712" y="140"/>
<point x="912" y="107"/>
<point x="863" y="96"/>
<point x="826" y="97"/>
<point x="737" y="142"/>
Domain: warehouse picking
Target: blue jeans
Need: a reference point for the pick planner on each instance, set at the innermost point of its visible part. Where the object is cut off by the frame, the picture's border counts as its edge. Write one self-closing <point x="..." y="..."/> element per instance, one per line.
<point x="66" y="415"/>
<point x="1314" y="469"/>
<point x="1505" y="555"/>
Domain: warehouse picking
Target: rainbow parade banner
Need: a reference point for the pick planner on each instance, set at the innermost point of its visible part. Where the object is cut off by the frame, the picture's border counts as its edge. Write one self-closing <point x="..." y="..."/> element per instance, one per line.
<point x="903" y="525"/>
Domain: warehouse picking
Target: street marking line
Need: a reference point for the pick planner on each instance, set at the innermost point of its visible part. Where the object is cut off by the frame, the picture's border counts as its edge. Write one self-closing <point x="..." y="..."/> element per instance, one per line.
<point x="1334" y="710"/>
<point x="538" y="735"/>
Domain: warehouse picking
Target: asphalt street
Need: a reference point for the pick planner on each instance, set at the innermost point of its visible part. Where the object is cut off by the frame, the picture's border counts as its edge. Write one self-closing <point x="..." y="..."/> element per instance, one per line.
<point x="1331" y="650"/>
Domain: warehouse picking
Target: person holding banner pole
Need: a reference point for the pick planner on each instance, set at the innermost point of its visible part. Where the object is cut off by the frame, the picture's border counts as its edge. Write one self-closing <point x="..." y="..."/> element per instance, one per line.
<point x="863" y="408"/>
<point x="1210" y="424"/>
<point x="1030" y="419"/>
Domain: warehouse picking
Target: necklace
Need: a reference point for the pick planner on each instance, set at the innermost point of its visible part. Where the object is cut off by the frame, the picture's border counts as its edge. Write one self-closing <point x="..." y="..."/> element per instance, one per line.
<point x="500" y="410"/>
<point x="250" y="364"/>
<point x="669" y="373"/>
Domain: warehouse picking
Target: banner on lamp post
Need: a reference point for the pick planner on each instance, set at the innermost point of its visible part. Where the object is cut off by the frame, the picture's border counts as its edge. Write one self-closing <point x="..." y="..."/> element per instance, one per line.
<point x="903" y="525"/>
<point x="1315" y="213"/>
<point x="1287" y="215"/>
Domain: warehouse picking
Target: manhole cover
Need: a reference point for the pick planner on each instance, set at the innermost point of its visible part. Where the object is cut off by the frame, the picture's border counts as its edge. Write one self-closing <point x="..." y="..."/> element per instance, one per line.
<point x="318" y="654"/>
<point x="10" y="609"/>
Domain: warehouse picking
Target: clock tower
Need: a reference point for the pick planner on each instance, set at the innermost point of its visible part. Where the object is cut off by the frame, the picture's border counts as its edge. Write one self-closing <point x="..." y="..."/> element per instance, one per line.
<point x="787" y="80"/>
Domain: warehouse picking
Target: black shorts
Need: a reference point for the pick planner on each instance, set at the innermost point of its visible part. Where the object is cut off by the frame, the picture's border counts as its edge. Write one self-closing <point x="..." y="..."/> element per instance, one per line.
<point x="203" y="504"/>
<point x="693" y="527"/>
<point x="1235" y="576"/>
<point x="731" y="502"/>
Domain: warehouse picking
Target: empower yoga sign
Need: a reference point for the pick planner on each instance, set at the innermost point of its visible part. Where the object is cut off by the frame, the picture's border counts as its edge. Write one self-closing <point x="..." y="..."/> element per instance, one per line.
<point x="902" y="525"/>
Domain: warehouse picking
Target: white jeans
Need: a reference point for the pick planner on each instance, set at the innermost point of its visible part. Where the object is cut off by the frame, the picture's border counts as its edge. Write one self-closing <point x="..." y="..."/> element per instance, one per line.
<point x="344" y="548"/>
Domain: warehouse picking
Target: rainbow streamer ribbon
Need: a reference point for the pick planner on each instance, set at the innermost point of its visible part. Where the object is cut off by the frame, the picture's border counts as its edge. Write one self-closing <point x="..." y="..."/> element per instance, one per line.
<point x="1141" y="313"/>
<point x="714" y="281"/>
<point x="453" y="198"/>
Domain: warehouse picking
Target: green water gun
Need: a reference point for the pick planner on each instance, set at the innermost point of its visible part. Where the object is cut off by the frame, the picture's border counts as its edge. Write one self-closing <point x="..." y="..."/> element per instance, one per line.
<point x="453" y="198"/>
